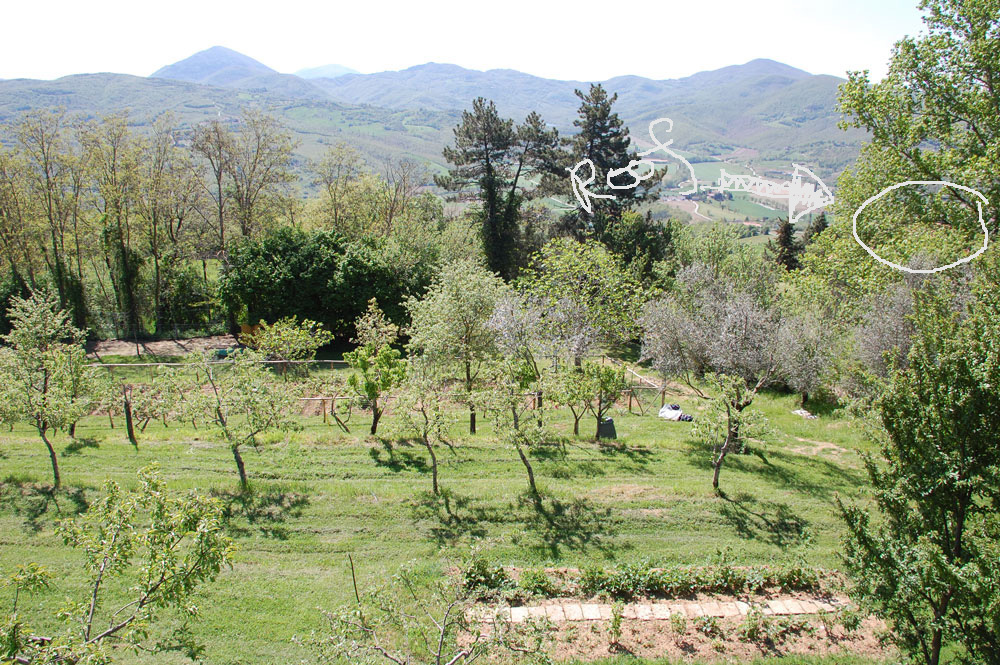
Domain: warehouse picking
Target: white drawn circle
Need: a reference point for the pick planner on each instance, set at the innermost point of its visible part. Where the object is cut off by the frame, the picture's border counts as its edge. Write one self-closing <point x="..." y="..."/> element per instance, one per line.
<point x="923" y="271"/>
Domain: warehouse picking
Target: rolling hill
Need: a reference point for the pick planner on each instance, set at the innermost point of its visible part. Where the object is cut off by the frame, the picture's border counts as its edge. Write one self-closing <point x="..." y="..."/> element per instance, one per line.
<point x="762" y="110"/>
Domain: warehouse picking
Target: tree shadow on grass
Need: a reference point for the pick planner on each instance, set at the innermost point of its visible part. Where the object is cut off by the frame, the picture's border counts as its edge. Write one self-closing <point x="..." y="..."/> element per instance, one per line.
<point x="245" y="512"/>
<point x="33" y="501"/>
<point x="452" y="516"/>
<point x="75" y="446"/>
<point x="554" y="524"/>
<point x="632" y="458"/>
<point x="398" y="458"/>
<point x="829" y="477"/>
<point x="813" y="476"/>
<point x="548" y="451"/>
<point x="772" y="522"/>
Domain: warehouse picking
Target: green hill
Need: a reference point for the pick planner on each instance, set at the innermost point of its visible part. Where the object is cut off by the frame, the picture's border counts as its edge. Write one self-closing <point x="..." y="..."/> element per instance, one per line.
<point x="763" y="110"/>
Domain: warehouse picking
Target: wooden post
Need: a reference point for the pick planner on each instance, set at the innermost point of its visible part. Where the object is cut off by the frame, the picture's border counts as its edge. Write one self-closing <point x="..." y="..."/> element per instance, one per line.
<point x="324" y="411"/>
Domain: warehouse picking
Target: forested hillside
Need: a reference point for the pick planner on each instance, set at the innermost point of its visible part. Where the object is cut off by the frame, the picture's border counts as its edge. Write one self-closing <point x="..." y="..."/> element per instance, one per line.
<point x="763" y="109"/>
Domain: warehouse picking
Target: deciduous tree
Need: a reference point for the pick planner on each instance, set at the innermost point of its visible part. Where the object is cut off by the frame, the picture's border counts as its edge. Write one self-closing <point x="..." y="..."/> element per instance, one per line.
<point x="927" y="563"/>
<point x="450" y="323"/>
<point x="44" y="369"/>
<point x="159" y="546"/>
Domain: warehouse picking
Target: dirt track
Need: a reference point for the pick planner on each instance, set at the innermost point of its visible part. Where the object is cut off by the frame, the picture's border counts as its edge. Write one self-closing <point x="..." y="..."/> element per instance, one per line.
<point x="180" y="347"/>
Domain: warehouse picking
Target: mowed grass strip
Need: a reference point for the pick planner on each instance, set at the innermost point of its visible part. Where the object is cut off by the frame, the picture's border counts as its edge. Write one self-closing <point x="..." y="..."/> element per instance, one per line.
<point x="320" y="494"/>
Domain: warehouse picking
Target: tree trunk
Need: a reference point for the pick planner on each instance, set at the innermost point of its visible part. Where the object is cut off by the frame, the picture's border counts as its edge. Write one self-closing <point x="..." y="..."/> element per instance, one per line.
<point x="468" y="389"/>
<point x="531" y="474"/>
<point x="241" y="468"/>
<point x="597" y="415"/>
<point x="434" y="465"/>
<point x="720" y="458"/>
<point x="376" y="415"/>
<point x="52" y="457"/>
<point x="576" y="425"/>
<point x="129" y="428"/>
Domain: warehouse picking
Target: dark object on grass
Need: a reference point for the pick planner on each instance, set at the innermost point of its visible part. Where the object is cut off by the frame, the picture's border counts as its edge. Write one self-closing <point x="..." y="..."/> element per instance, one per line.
<point x="606" y="430"/>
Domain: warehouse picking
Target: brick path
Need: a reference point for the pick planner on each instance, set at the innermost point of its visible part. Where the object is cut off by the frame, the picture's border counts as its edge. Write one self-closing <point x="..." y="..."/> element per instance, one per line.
<point x="569" y="610"/>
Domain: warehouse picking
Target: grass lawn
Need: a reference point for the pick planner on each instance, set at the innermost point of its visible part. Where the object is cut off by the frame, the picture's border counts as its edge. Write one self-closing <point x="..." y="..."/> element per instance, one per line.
<point x="320" y="494"/>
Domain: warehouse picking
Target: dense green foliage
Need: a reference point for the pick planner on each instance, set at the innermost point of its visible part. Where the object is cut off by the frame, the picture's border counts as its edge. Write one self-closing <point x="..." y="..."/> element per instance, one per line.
<point x="317" y="275"/>
<point x="929" y="564"/>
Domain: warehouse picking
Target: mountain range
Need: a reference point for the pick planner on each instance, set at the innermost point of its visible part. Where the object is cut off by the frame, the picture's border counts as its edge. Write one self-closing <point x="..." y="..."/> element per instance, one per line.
<point x="762" y="110"/>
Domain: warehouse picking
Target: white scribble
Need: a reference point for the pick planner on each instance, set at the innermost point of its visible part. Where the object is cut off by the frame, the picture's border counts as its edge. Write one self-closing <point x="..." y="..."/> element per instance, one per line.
<point x="805" y="189"/>
<point x="636" y="177"/>
<point x="663" y="147"/>
<point x="583" y="195"/>
<point x="982" y="223"/>
<point x="796" y="191"/>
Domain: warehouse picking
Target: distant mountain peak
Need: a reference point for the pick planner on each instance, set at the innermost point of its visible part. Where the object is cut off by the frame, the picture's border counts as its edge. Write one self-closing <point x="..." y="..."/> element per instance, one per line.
<point x="217" y="65"/>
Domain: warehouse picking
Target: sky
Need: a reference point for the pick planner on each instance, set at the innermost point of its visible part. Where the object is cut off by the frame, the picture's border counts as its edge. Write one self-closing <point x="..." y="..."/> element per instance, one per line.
<point x="564" y="40"/>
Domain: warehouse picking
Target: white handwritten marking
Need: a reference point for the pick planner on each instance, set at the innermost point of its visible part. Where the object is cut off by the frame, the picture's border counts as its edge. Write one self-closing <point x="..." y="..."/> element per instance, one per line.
<point x="922" y="271"/>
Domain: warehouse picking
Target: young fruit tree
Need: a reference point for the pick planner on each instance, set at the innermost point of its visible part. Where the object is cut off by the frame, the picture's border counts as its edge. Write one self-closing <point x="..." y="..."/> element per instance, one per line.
<point x="423" y="409"/>
<point x="512" y="382"/>
<point x="450" y="324"/>
<point x="607" y="384"/>
<point x="729" y="421"/>
<point x="569" y="387"/>
<point x="420" y="619"/>
<point x="156" y="547"/>
<point x="927" y="560"/>
<point x="287" y="339"/>
<point x="241" y="400"/>
<point x="44" y="370"/>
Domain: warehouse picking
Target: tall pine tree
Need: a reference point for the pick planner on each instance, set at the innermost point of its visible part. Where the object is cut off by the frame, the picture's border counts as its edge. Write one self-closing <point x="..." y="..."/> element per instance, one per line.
<point x="497" y="158"/>
<point x="816" y="226"/>
<point x="603" y="139"/>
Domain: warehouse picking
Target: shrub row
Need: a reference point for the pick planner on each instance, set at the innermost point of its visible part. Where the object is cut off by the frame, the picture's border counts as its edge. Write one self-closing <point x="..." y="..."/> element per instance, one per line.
<point x="639" y="580"/>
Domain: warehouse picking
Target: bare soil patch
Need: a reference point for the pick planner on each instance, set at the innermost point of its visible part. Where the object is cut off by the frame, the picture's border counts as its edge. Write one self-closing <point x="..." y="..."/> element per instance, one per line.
<point x="816" y="447"/>
<point x="166" y="347"/>
<point x="657" y="639"/>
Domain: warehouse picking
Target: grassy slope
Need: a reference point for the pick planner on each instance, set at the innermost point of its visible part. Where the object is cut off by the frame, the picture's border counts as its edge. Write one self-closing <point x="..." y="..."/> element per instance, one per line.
<point x="323" y="494"/>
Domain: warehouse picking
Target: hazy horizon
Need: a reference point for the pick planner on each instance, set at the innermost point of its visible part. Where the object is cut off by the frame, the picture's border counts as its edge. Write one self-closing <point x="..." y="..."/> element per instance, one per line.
<point x="543" y="41"/>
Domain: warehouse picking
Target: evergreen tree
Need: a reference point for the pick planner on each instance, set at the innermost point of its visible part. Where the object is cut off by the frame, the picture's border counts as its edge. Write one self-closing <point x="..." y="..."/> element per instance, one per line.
<point x="784" y="250"/>
<point x="817" y="226"/>
<point x="603" y="139"/>
<point x="497" y="157"/>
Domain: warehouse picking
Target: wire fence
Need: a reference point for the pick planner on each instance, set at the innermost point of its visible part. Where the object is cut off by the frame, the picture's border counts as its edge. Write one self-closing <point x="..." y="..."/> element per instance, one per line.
<point x="636" y="394"/>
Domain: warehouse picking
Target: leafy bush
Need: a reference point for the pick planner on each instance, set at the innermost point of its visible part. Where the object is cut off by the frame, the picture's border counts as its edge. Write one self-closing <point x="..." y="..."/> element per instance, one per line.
<point x="755" y="627"/>
<point x="641" y="580"/>
<point x="709" y="627"/>
<point x="593" y="581"/>
<point x="536" y="582"/>
<point x="798" y="578"/>
<point x="332" y="279"/>
<point x="615" y="626"/>
<point x="482" y="574"/>
<point x="678" y="623"/>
